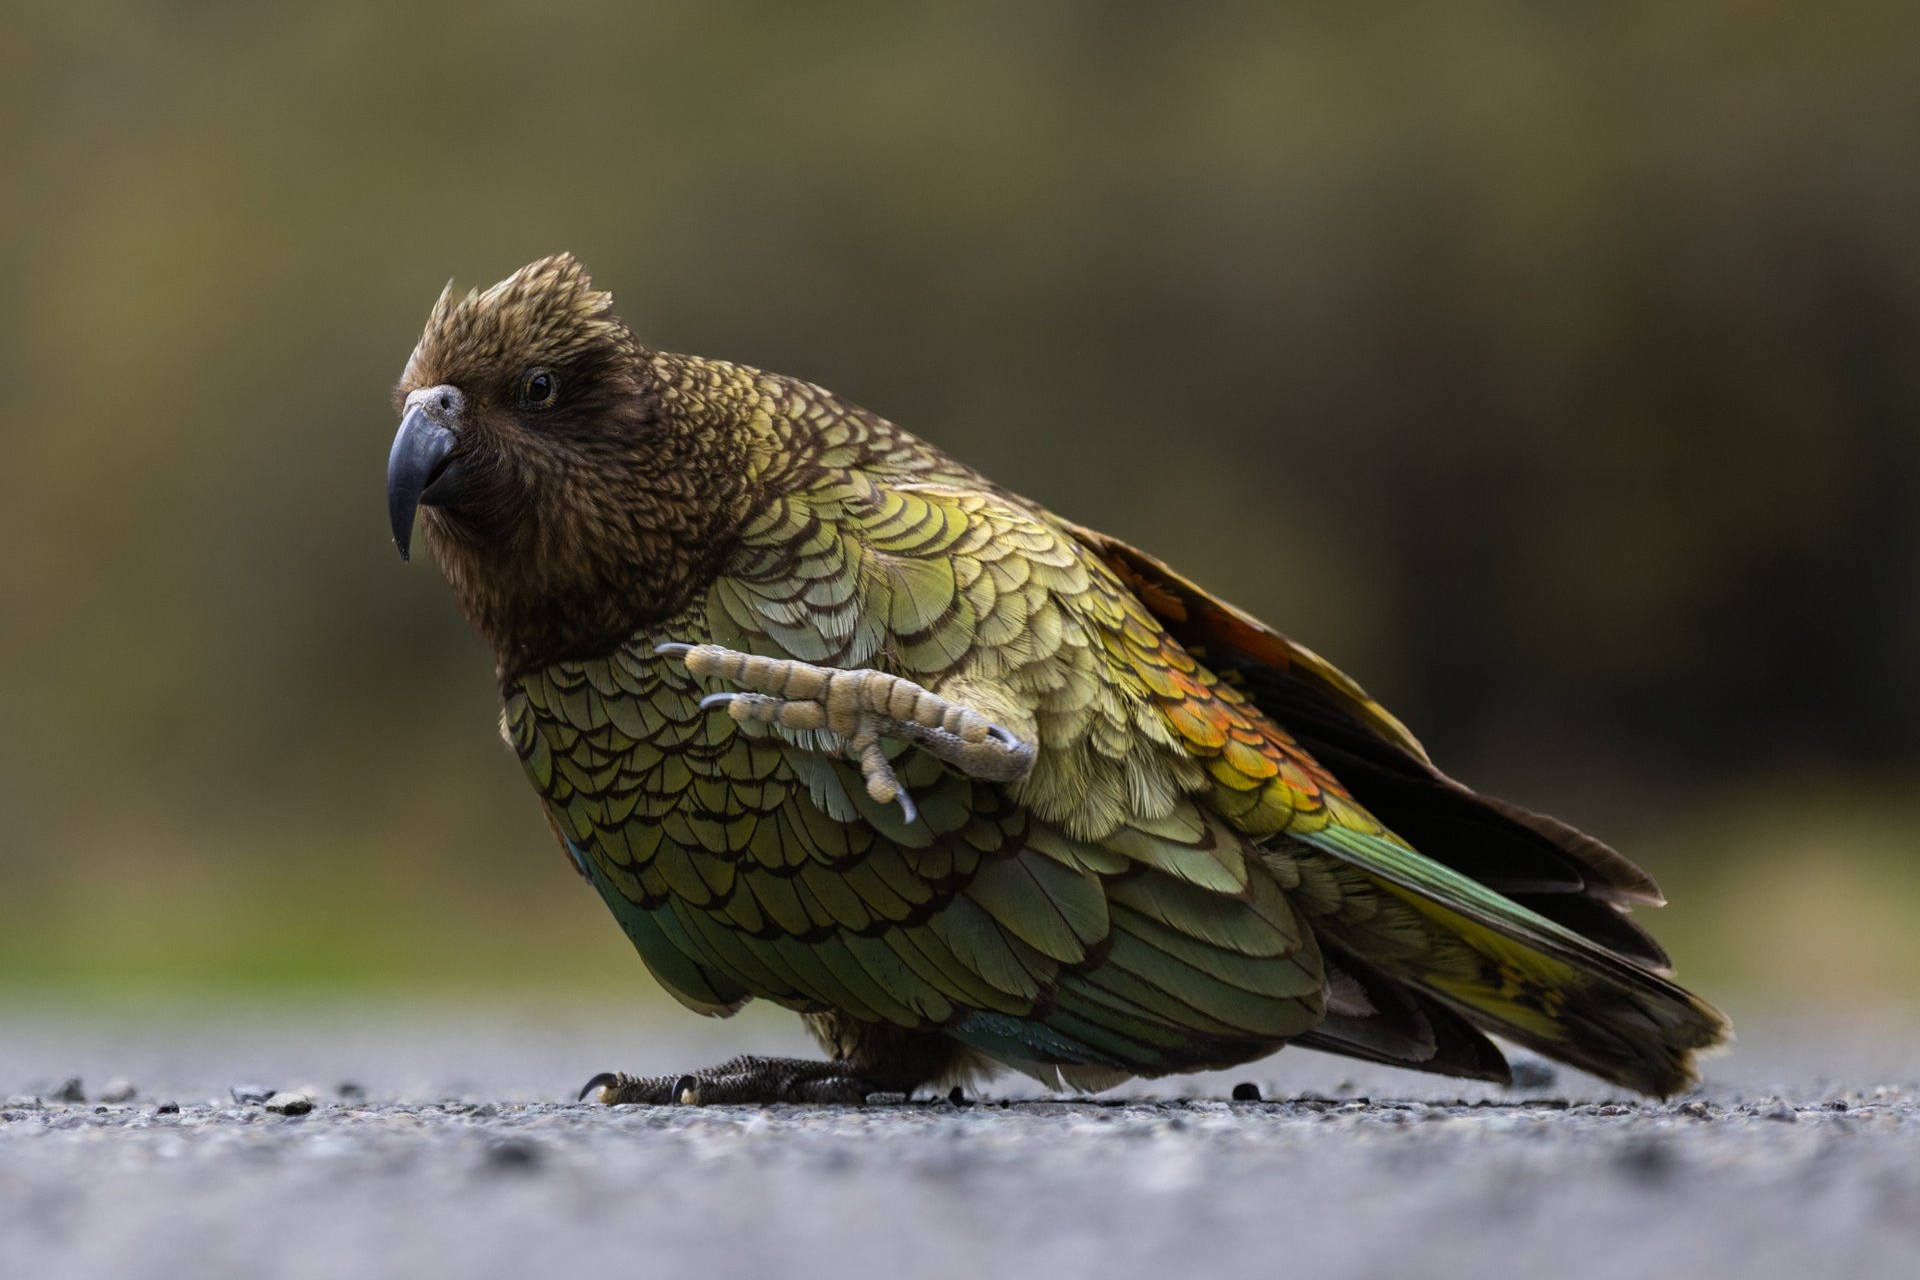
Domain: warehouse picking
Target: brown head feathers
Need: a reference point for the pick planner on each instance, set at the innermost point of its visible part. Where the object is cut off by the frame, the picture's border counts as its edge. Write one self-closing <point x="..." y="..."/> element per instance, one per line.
<point x="588" y="494"/>
<point x="546" y="312"/>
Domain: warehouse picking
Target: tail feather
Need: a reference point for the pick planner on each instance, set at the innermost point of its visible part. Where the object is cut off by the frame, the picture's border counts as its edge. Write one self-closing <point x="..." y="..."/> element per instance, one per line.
<point x="1519" y="975"/>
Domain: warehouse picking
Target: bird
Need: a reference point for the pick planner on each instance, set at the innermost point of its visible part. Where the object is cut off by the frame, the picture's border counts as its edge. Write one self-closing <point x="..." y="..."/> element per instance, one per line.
<point x="831" y="720"/>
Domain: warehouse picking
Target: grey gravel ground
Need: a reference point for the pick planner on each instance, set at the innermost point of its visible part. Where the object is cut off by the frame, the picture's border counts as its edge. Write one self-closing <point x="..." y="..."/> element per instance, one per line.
<point x="438" y="1146"/>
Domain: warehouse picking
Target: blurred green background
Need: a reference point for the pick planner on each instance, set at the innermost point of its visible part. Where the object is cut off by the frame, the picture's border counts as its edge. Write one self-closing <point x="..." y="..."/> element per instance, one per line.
<point x="1553" y="368"/>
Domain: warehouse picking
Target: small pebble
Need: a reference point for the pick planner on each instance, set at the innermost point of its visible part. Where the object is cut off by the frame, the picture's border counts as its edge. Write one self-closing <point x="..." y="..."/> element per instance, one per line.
<point x="70" y="1091"/>
<point x="117" y="1090"/>
<point x="1695" y="1109"/>
<point x="1246" y="1091"/>
<point x="167" y="1109"/>
<point x="290" y="1104"/>
<point x="1783" y="1112"/>
<point x="351" y="1091"/>
<point x="245" y="1093"/>
<point x="957" y="1097"/>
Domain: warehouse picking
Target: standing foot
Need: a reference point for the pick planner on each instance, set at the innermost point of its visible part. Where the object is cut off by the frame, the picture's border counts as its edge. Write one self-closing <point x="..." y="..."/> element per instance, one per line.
<point x="744" y="1080"/>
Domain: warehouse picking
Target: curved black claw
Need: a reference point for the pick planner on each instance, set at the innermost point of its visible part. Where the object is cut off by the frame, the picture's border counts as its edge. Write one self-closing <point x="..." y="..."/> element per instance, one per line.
<point x="1005" y="737"/>
<point x="601" y="1081"/>
<point x="672" y="649"/>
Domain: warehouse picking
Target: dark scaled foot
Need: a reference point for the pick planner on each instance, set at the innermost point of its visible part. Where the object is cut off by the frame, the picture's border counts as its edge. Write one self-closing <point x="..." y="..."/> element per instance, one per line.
<point x="743" y="1081"/>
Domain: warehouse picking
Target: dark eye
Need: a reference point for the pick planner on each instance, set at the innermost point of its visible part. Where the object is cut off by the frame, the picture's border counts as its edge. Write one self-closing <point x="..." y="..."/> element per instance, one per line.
<point x="540" y="389"/>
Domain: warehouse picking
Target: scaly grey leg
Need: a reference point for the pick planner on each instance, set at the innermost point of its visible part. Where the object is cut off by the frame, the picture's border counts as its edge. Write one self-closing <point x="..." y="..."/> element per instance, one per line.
<point x="858" y="707"/>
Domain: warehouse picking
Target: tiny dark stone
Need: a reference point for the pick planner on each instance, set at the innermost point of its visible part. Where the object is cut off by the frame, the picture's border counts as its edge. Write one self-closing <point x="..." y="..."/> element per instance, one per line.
<point x="1246" y="1091"/>
<point x="351" y="1091"/>
<point x="167" y="1109"/>
<point x="70" y="1091"/>
<point x="514" y="1155"/>
<point x="1838" y="1104"/>
<point x="956" y="1097"/>
<point x="248" y="1093"/>
<point x="1783" y="1113"/>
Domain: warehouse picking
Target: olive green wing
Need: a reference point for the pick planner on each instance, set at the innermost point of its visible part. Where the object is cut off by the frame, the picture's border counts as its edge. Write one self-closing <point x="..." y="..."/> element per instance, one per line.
<point x="1536" y="860"/>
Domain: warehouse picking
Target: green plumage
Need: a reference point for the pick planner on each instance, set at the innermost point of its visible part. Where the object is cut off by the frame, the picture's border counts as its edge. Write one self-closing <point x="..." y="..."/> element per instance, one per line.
<point x="1179" y="880"/>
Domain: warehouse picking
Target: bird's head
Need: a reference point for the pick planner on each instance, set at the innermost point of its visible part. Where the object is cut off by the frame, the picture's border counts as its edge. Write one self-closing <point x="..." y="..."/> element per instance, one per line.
<point x="564" y="505"/>
<point x="511" y="386"/>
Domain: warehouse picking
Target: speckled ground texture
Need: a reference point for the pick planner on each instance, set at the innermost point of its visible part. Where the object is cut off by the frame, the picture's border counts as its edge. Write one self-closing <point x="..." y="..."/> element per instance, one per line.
<point x="438" y="1145"/>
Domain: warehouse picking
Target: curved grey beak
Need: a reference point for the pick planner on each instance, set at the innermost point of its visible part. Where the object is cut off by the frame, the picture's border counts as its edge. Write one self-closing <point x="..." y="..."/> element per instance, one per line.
<point x="420" y="470"/>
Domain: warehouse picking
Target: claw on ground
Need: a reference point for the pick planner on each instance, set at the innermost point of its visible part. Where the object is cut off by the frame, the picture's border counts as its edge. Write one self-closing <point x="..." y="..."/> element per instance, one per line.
<point x="601" y="1081"/>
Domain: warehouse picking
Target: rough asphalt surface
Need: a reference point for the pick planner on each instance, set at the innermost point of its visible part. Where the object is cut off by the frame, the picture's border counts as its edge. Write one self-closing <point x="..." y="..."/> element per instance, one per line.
<point x="436" y="1146"/>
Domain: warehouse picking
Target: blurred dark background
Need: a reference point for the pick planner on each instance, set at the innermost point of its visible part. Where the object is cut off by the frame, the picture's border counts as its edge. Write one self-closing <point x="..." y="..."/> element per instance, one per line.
<point x="1552" y="368"/>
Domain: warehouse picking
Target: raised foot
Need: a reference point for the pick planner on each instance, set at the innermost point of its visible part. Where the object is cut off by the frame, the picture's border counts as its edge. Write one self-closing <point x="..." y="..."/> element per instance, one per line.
<point x="745" y="1080"/>
<point x="859" y="708"/>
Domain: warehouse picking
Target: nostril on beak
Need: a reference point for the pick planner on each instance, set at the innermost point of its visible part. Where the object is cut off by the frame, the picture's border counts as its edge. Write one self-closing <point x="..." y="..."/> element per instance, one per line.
<point x="444" y="404"/>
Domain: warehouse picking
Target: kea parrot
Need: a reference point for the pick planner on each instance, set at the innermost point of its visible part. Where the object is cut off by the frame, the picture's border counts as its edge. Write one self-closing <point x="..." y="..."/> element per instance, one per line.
<point x="830" y="719"/>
